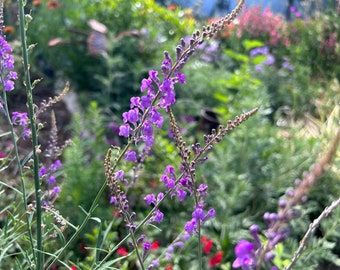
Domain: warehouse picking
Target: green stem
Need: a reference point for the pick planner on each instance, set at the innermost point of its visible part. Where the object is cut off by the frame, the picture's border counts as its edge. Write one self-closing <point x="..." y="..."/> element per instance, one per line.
<point x="82" y="226"/>
<point x="27" y="80"/>
<point x="22" y="181"/>
<point x="132" y="234"/>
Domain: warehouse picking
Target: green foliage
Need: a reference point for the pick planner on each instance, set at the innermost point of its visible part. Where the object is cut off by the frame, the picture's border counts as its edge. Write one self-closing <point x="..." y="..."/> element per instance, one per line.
<point x="315" y="44"/>
<point x="83" y="162"/>
<point x="134" y="44"/>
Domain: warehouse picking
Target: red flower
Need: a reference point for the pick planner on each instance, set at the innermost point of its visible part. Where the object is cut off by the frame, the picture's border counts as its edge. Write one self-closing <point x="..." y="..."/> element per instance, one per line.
<point x="168" y="267"/>
<point x="172" y="7"/>
<point x="155" y="245"/>
<point x="73" y="267"/>
<point x="121" y="251"/>
<point x="9" y="30"/>
<point x="153" y="183"/>
<point x="36" y="2"/>
<point x="217" y="259"/>
<point x="53" y="4"/>
<point x="207" y="244"/>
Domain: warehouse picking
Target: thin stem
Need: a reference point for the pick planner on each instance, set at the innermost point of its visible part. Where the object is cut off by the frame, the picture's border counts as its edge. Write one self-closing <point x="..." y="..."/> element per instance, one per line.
<point x="22" y="181"/>
<point x="83" y="224"/>
<point x="27" y="80"/>
<point x="310" y="231"/>
<point x="132" y="234"/>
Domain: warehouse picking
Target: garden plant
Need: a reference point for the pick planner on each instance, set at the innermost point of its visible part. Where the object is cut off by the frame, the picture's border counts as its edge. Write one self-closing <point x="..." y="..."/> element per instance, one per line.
<point x="226" y="158"/>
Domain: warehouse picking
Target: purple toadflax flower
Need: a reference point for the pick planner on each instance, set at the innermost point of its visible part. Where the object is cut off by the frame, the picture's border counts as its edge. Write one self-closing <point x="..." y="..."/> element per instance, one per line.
<point x="245" y="255"/>
<point x="7" y="75"/>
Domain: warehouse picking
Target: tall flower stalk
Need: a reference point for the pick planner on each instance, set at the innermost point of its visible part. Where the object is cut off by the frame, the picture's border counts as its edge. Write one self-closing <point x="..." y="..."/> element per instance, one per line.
<point x="39" y="259"/>
<point x="256" y="254"/>
<point x="7" y="77"/>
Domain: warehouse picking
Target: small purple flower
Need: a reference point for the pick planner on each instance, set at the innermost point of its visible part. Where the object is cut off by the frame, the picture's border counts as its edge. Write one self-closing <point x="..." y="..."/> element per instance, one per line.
<point x="114" y="128"/>
<point x="146" y="85"/>
<point x="156" y="118"/>
<point x="158" y="216"/>
<point x="124" y="130"/>
<point x="181" y="195"/>
<point x="160" y="196"/>
<point x="56" y="190"/>
<point x="20" y="118"/>
<point x="134" y="102"/>
<point x="42" y="171"/>
<point x="146" y="246"/>
<point x="202" y="190"/>
<point x="113" y="200"/>
<point x="260" y="50"/>
<point x="26" y="134"/>
<point x="131" y="156"/>
<point x="147" y="129"/>
<point x="259" y="68"/>
<point x="146" y="101"/>
<point x="153" y="74"/>
<point x="288" y="66"/>
<point x="245" y="255"/>
<point x="154" y="263"/>
<point x="190" y="226"/>
<point x="184" y="181"/>
<point x="181" y="77"/>
<point x="55" y="165"/>
<point x="167" y="64"/>
<point x="198" y="214"/>
<point x="52" y="180"/>
<point x="150" y="199"/>
<point x="170" y="183"/>
<point x="120" y="174"/>
<point x="270" y="60"/>
<point x="168" y="97"/>
<point x="169" y="170"/>
<point x="211" y="213"/>
<point x="131" y="116"/>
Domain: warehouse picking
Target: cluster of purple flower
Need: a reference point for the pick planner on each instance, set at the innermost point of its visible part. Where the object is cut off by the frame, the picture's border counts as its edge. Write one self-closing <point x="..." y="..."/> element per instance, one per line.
<point x="49" y="174"/>
<point x="7" y="75"/>
<point x="270" y="59"/>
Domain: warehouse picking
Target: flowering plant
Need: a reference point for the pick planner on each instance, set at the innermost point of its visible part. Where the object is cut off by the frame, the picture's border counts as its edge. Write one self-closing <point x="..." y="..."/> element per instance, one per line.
<point x="123" y="166"/>
<point x="262" y="24"/>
